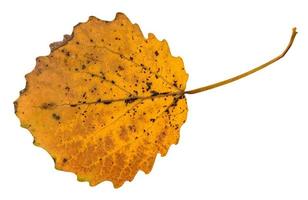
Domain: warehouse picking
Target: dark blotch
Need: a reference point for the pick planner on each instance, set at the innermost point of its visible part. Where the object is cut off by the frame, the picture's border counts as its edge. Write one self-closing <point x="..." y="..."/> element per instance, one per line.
<point x="107" y="102"/>
<point x="48" y="105"/>
<point x="175" y="83"/>
<point x="56" y="116"/>
<point x="130" y="100"/>
<point x="154" y="93"/>
<point x="175" y="102"/>
<point x="120" y="67"/>
<point x="149" y="85"/>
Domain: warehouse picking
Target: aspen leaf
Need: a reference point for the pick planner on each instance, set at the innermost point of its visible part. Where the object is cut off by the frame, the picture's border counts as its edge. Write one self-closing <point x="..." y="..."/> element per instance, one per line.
<point x="107" y="100"/>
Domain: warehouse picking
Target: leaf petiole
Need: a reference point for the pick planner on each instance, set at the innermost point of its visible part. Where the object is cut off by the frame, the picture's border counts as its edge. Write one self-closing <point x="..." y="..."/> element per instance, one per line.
<point x="235" y="78"/>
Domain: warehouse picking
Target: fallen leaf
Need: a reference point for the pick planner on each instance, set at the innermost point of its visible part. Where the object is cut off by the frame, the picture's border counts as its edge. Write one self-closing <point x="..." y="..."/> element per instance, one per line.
<point x="106" y="100"/>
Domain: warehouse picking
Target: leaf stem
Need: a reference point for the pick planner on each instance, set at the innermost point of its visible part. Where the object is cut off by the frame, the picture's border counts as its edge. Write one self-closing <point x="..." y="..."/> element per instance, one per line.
<point x="235" y="78"/>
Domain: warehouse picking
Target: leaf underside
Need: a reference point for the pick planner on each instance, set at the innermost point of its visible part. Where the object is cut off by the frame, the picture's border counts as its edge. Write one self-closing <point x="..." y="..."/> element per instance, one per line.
<point x="105" y="101"/>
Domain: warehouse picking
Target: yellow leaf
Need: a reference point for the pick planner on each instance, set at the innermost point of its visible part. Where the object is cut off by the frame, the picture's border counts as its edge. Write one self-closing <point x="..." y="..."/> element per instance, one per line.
<point x="105" y="101"/>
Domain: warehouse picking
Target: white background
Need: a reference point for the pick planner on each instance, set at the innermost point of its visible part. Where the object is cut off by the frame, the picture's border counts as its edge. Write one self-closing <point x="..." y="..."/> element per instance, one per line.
<point x="247" y="140"/>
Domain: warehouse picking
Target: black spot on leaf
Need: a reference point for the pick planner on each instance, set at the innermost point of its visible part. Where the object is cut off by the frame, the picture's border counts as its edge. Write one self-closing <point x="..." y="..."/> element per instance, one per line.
<point x="149" y="85"/>
<point x="130" y="100"/>
<point x="107" y="102"/>
<point x="47" y="105"/>
<point x="56" y="116"/>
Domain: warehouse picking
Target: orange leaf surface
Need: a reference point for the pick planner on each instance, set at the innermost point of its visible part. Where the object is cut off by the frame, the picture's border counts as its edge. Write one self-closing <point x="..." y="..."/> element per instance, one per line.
<point x="105" y="101"/>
